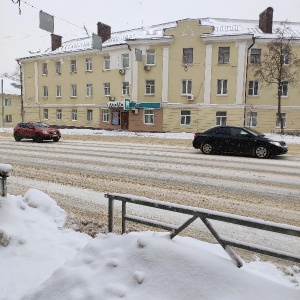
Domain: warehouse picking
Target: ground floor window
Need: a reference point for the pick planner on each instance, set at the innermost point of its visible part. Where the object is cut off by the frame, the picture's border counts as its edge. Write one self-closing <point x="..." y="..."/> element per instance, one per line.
<point x="252" y="119"/>
<point x="46" y="113"/>
<point x="283" y="115"/>
<point x="149" y="116"/>
<point x="8" y="118"/>
<point x="105" y="115"/>
<point x="74" y="115"/>
<point x="89" y="115"/>
<point x="59" y="114"/>
<point x="221" y="118"/>
<point x="185" y="117"/>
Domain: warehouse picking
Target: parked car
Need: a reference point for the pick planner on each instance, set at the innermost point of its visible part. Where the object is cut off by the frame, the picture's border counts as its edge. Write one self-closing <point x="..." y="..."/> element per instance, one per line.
<point x="238" y="140"/>
<point x="37" y="131"/>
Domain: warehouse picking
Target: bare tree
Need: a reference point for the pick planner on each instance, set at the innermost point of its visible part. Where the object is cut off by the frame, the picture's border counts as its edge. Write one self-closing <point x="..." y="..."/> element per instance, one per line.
<point x="279" y="65"/>
<point x="15" y="75"/>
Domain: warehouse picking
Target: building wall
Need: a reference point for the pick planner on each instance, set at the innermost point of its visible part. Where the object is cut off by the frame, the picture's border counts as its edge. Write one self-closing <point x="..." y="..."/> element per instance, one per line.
<point x="12" y="113"/>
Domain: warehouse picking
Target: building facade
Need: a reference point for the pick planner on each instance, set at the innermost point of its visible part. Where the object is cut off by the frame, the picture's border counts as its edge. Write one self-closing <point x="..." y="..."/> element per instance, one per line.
<point x="183" y="76"/>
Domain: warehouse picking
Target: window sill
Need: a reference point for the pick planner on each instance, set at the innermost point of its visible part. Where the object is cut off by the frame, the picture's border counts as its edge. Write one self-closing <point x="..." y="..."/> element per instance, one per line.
<point x="222" y="95"/>
<point x="106" y="70"/>
<point x="73" y="97"/>
<point x="88" y="71"/>
<point x="58" y="97"/>
<point x="151" y="95"/>
<point x="58" y="74"/>
<point x="75" y="72"/>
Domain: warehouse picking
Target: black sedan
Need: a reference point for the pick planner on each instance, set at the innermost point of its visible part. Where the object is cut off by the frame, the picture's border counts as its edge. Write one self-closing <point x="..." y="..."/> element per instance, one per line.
<point x="238" y="140"/>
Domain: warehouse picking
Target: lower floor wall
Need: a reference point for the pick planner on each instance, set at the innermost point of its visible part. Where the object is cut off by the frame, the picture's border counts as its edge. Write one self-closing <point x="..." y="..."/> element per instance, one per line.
<point x="166" y="119"/>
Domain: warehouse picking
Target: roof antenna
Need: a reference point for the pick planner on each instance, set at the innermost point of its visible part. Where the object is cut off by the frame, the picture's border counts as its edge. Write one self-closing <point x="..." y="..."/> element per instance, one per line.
<point x="86" y="31"/>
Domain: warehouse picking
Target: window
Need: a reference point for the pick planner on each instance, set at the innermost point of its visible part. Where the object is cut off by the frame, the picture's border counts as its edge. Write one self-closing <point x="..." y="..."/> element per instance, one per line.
<point x="251" y="119"/>
<point x="186" y="87"/>
<point x="106" y="63"/>
<point x="150" y="87"/>
<point x="105" y="115"/>
<point x="125" y="60"/>
<point x="149" y="116"/>
<point x="8" y="118"/>
<point x="286" y="57"/>
<point x="150" y="57"/>
<point x="283" y="116"/>
<point x="89" y="115"/>
<point x="187" y="56"/>
<point x="58" y="91"/>
<point x="7" y="102"/>
<point x="221" y="118"/>
<point x="59" y="114"/>
<point x="73" y="90"/>
<point x="73" y="66"/>
<point x="45" y="91"/>
<point x="253" y="88"/>
<point x="106" y="88"/>
<point x="125" y="88"/>
<point x="89" y="90"/>
<point x="46" y="113"/>
<point x="255" y="56"/>
<point x="223" y="57"/>
<point x="58" y="67"/>
<point x="45" y="69"/>
<point x="284" y="89"/>
<point x="185" y="117"/>
<point x="222" y="87"/>
<point x="89" y="64"/>
<point x="74" y="115"/>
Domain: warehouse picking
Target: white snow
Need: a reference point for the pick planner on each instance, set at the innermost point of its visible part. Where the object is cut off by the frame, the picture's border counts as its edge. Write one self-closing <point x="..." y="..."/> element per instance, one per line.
<point x="40" y="259"/>
<point x="10" y="87"/>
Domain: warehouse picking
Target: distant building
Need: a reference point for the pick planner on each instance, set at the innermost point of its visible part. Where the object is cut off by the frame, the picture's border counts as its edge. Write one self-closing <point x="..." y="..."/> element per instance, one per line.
<point x="11" y="102"/>
<point x="183" y="76"/>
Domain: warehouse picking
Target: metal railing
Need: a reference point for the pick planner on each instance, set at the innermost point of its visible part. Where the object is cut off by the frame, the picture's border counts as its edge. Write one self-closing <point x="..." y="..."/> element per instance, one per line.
<point x="5" y="170"/>
<point x="205" y="216"/>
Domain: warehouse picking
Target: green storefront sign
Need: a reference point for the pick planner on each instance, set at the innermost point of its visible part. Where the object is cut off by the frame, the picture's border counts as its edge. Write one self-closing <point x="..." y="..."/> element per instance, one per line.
<point x="130" y="104"/>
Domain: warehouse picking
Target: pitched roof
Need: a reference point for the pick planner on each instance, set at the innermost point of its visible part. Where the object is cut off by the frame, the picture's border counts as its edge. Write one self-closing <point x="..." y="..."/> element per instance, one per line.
<point x="10" y="87"/>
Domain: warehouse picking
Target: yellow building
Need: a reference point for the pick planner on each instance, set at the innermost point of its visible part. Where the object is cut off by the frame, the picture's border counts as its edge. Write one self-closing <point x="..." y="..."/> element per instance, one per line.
<point x="183" y="76"/>
<point x="10" y="92"/>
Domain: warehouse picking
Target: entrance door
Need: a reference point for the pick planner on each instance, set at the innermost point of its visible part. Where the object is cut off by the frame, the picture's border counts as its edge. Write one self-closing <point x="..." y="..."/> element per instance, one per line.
<point x="124" y="120"/>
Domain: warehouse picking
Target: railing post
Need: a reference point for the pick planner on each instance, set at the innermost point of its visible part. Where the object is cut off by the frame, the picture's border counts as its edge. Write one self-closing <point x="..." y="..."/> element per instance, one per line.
<point x="3" y="185"/>
<point x="123" y="217"/>
<point x="110" y="213"/>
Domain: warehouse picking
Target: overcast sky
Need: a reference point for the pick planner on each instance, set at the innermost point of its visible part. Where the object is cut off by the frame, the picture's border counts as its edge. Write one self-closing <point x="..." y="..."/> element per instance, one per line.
<point x="21" y="33"/>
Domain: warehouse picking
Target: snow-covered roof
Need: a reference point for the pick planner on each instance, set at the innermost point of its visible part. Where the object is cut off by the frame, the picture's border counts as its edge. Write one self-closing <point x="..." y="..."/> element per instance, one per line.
<point x="221" y="27"/>
<point x="10" y="87"/>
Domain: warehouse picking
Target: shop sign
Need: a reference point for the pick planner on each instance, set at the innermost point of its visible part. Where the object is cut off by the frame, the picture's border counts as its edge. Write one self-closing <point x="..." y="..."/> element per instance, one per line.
<point x="117" y="104"/>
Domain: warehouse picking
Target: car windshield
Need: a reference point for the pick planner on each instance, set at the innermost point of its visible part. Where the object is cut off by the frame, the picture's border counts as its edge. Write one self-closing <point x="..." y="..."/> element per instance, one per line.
<point x="254" y="132"/>
<point x="41" y="125"/>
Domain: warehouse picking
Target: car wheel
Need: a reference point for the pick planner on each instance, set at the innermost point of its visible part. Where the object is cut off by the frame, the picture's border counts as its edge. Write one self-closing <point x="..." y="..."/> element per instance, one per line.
<point x="207" y="148"/>
<point x="38" y="138"/>
<point x="55" y="139"/>
<point x="261" y="152"/>
<point x="17" y="137"/>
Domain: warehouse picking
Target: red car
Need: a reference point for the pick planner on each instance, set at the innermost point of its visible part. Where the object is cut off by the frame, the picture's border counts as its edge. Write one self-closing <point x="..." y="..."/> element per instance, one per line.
<point x="37" y="131"/>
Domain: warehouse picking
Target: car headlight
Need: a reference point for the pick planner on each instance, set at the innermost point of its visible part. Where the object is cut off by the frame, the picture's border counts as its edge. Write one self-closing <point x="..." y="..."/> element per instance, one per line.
<point x="45" y="132"/>
<point x="276" y="144"/>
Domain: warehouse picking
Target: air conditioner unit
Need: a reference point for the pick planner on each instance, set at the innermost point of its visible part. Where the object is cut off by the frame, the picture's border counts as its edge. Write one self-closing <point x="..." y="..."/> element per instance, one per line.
<point x="190" y="97"/>
<point x="147" y="68"/>
<point x="111" y="98"/>
<point x="122" y="71"/>
<point x="135" y="111"/>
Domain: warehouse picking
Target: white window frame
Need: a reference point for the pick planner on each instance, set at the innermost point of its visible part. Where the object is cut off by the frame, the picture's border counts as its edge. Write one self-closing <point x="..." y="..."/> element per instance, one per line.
<point x="106" y="88"/>
<point x="222" y="87"/>
<point x="73" y="66"/>
<point x="89" y="115"/>
<point x="150" y="57"/>
<point x="89" y="64"/>
<point x="45" y="91"/>
<point x="150" y="87"/>
<point x="8" y="119"/>
<point x="185" y="117"/>
<point x="285" y="89"/>
<point x="74" y="114"/>
<point x="286" y="58"/>
<point x="73" y="91"/>
<point x="106" y="62"/>
<point x="58" y="67"/>
<point x="187" y="55"/>
<point x="251" y="119"/>
<point x="253" y="88"/>
<point x="223" y="55"/>
<point x="221" y="118"/>
<point x="125" y="60"/>
<point x="186" y="87"/>
<point x="125" y="88"/>
<point x="149" y="116"/>
<point x="46" y="113"/>
<point x="7" y="102"/>
<point x="89" y="90"/>
<point x="105" y="115"/>
<point x="58" y="114"/>
<point x="58" y="91"/>
<point x="283" y="118"/>
<point x="45" y="69"/>
<point x="255" y="56"/>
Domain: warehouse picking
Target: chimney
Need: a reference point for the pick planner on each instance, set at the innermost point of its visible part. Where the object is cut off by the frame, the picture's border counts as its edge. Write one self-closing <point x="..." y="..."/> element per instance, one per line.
<point x="104" y="31"/>
<point x="266" y="20"/>
<point x="55" y="41"/>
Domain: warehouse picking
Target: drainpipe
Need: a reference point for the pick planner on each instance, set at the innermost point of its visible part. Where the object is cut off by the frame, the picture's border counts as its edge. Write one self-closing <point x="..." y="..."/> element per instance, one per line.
<point x="22" y="100"/>
<point x="246" y="77"/>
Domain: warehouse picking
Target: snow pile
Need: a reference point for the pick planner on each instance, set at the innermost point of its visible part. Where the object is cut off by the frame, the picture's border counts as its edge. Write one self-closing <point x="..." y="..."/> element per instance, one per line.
<point x="41" y="260"/>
